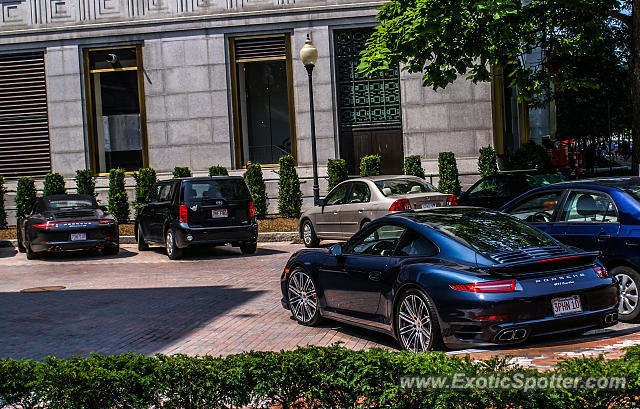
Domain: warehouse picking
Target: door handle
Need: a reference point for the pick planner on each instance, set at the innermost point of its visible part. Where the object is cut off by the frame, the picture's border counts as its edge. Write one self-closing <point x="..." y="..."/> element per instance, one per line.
<point x="375" y="276"/>
<point x="335" y="212"/>
<point x="361" y="211"/>
<point x="603" y="236"/>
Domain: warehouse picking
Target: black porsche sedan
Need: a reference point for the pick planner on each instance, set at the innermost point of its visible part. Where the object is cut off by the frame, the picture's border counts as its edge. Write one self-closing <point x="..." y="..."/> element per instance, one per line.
<point x="454" y="277"/>
<point x="67" y="222"/>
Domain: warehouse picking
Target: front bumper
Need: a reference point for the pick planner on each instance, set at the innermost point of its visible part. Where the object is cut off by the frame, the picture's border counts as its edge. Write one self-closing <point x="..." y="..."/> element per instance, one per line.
<point x="216" y="235"/>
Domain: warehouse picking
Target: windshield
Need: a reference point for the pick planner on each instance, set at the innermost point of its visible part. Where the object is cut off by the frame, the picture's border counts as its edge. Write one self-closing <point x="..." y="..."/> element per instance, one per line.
<point x="229" y="189"/>
<point x="634" y="192"/>
<point x="392" y="187"/>
<point x="486" y="231"/>
<point x="54" y="204"/>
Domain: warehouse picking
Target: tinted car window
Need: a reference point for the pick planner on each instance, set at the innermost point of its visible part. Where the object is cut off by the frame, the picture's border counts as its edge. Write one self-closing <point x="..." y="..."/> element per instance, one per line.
<point x="337" y="195"/>
<point x="164" y="195"/>
<point x="394" y="187"/>
<point x="203" y="190"/>
<point x="380" y="241"/>
<point x="634" y="192"/>
<point x="414" y="244"/>
<point x="589" y="207"/>
<point x="544" y="179"/>
<point x="360" y="193"/>
<point x="496" y="186"/>
<point x="54" y="204"/>
<point x="538" y="208"/>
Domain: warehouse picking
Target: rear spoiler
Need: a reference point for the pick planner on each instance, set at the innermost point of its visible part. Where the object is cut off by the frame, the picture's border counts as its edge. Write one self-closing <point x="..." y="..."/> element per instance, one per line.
<point x="559" y="263"/>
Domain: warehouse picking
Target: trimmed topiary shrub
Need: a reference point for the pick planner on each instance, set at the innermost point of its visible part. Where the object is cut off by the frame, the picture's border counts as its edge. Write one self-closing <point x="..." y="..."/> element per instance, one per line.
<point x="53" y="185"/>
<point x="3" y="211"/>
<point x="531" y="156"/>
<point x="181" y="172"/>
<point x="337" y="172"/>
<point x="218" y="170"/>
<point x="448" y="173"/>
<point x="25" y="195"/>
<point x="145" y="178"/>
<point x="85" y="183"/>
<point x="370" y="165"/>
<point x="289" y="193"/>
<point x="487" y="163"/>
<point x="413" y="166"/>
<point x="118" y="202"/>
<point x="255" y="181"/>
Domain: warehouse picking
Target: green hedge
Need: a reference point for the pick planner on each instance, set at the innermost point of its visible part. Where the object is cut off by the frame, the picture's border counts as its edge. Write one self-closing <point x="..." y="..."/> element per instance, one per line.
<point x="255" y="181"/>
<point x="85" y="182"/>
<point x="53" y="185"/>
<point x="118" y="201"/>
<point x="448" y="173"/>
<point x="3" y="211"/>
<point x="25" y="195"/>
<point x="487" y="164"/>
<point x="145" y="179"/>
<point x="289" y="193"/>
<point x="218" y="170"/>
<point x="337" y="172"/>
<point x="413" y="166"/>
<point x="181" y="172"/>
<point x="310" y="377"/>
<point x="370" y="165"/>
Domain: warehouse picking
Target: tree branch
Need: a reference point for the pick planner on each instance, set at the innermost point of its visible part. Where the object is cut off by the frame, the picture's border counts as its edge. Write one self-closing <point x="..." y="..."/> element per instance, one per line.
<point x="621" y="17"/>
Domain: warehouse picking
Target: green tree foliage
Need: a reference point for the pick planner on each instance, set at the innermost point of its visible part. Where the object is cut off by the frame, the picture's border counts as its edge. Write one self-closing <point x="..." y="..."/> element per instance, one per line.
<point x="370" y="165"/>
<point x="487" y="164"/>
<point x="413" y="166"/>
<point x="448" y="173"/>
<point x="118" y="202"/>
<point x="145" y="179"/>
<point x="25" y="195"/>
<point x="255" y="181"/>
<point x="531" y="156"/>
<point x="85" y="183"/>
<point x="289" y="193"/>
<point x="53" y="185"/>
<point x="337" y="172"/>
<point x="218" y="170"/>
<point x="181" y="172"/>
<point x="3" y="211"/>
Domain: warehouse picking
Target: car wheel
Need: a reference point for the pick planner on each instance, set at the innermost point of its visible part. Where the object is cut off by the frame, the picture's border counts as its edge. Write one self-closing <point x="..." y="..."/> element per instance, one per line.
<point x="31" y="255"/>
<point x="303" y="302"/>
<point x="416" y="322"/>
<point x="21" y="247"/>
<point x="248" y="248"/>
<point x="629" y="282"/>
<point x="309" y="234"/>
<point x="173" y="251"/>
<point x="142" y="245"/>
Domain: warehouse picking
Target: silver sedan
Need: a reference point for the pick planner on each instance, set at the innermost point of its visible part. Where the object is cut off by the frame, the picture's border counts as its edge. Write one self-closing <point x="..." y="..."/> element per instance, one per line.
<point x="355" y="202"/>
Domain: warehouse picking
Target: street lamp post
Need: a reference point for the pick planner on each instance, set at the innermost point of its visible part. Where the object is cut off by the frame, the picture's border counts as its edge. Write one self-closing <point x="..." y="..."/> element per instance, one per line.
<point x="309" y="57"/>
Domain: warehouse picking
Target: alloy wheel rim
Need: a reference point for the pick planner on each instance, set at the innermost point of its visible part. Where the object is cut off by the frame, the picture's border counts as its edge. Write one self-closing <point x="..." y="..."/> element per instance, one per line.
<point x="628" y="294"/>
<point x="170" y="243"/>
<point x="306" y="232"/>
<point x="414" y="323"/>
<point x="302" y="296"/>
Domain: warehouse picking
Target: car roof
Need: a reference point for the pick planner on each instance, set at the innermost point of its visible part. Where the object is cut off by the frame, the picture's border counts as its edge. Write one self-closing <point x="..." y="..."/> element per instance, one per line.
<point x="202" y="178"/>
<point x="382" y="177"/>
<point x="443" y="215"/>
<point x="67" y="197"/>
<point x="609" y="182"/>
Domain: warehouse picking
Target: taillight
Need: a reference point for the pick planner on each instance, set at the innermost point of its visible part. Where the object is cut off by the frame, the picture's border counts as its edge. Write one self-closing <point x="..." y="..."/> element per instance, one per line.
<point x="400" y="205"/>
<point x="252" y="210"/>
<point x="601" y="271"/>
<point x="182" y="213"/>
<point x="105" y="221"/>
<point x="502" y="286"/>
<point x="452" y="200"/>
<point x="47" y="225"/>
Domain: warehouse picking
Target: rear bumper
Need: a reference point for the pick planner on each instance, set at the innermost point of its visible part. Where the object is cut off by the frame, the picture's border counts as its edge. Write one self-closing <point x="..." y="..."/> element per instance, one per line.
<point x="55" y="246"/>
<point x="216" y="235"/>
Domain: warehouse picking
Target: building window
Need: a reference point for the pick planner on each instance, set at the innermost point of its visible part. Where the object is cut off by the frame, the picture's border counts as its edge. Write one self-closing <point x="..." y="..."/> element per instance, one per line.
<point x="24" y="121"/>
<point x="115" y="95"/>
<point x="262" y="99"/>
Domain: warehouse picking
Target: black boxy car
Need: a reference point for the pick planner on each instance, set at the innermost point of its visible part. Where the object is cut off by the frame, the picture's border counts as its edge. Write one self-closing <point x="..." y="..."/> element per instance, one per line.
<point x="195" y="211"/>
<point x="67" y="222"/>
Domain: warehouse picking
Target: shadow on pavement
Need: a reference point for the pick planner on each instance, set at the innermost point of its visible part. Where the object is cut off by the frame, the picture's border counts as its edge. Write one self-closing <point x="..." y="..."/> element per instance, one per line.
<point x="197" y="253"/>
<point x="7" y="251"/>
<point x="76" y="322"/>
<point x="79" y="255"/>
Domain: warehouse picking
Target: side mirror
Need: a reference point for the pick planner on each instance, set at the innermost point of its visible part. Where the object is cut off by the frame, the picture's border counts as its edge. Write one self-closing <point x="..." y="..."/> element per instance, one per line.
<point x="141" y="200"/>
<point x="336" y="250"/>
<point x="320" y="202"/>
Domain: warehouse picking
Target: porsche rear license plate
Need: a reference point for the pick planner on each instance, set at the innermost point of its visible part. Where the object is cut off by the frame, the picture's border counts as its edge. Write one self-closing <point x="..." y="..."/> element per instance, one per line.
<point x="566" y="306"/>
<point x="78" y="236"/>
<point x="216" y="213"/>
<point x="428" y="205"/>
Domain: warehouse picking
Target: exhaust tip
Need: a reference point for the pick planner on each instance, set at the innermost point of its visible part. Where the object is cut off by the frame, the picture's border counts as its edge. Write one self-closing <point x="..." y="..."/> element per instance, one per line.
<point x="507" y="335"/>
<point x="611" y="318"/>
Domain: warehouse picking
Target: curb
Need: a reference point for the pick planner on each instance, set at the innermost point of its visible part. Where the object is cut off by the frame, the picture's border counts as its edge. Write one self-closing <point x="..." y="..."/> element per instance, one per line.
<point x="287" y="236"/>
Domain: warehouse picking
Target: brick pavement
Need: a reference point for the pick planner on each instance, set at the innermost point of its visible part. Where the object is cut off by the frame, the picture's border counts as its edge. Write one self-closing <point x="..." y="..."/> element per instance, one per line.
<point x="215" y="301"/>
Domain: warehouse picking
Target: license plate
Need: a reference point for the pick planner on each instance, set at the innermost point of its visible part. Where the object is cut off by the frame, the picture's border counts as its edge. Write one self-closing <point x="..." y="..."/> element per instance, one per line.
<point x="78" y="236"/>
<point x="217" y="213"/>
<point x="566" y="306"/>
<point x="428" y="205"/>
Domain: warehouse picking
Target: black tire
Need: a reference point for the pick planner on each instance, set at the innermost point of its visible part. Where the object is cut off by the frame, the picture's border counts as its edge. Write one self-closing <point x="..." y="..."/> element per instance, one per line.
<point x="31" y="255"/>
<point x="21" y="247"/>
<point x="629" y="282"/>
<point x="248" y="248"/>
<point x="404" y="331"/>
<point x="173" y="251"/>
<point x="142" y="245"/>
<point x="309" y="236"/>
<point x="304" y="306"/>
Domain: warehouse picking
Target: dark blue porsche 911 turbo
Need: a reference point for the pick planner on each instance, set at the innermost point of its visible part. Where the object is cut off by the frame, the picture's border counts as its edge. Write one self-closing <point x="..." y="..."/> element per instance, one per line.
<point x="454" y="277"/>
